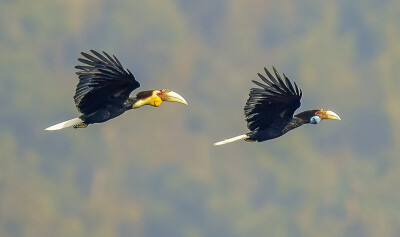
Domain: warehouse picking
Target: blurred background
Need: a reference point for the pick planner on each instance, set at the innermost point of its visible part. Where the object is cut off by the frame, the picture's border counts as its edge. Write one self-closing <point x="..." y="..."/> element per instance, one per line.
<point x="154" y="171"/>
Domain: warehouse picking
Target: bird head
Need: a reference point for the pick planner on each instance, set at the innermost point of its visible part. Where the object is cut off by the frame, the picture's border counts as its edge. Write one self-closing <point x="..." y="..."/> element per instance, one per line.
<point x="156" y="97"/>
<point x="316" y="115"/>
<point x="321" y="114"/>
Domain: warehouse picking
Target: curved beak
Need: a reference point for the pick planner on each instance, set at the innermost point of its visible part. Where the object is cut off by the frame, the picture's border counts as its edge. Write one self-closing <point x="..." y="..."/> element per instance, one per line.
<point x="327" y="114"/>
<point x="173" y="96"/>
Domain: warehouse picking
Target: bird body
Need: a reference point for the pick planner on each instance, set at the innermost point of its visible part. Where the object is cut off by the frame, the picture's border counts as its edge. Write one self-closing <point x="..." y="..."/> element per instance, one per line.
<point x="103" y="91"/>
<point x="270" y="108"/>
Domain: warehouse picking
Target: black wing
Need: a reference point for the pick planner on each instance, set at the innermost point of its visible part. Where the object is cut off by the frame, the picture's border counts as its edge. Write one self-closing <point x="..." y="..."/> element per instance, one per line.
<point x="273" y="104"/>
<point x="102" y="81"/>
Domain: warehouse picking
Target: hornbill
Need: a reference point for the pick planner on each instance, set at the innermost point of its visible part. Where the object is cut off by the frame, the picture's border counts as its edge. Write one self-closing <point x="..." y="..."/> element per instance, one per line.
<point x="103" y="91"/>
<point x="269" y="110"/>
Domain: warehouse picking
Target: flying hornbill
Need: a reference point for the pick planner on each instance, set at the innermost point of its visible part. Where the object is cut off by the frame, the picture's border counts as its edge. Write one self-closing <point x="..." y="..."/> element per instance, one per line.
<point x="103" y="91"/>
<point x="269" y="110"/>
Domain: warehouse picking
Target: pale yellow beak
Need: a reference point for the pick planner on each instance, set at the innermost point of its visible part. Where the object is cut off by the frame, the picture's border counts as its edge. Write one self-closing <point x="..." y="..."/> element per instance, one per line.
<point x="327" y="114"/>
<point x="173" y="96"/>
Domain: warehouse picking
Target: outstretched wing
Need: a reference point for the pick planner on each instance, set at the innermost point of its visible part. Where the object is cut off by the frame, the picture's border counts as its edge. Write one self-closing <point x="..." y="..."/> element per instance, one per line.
<point x="272" y="105"/>
<point x="102" y="81"/>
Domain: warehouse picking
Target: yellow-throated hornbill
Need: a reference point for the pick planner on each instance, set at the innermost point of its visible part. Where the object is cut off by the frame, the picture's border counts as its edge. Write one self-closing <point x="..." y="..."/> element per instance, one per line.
<point x="103" y="91"/>
<point x="269" y="110"/>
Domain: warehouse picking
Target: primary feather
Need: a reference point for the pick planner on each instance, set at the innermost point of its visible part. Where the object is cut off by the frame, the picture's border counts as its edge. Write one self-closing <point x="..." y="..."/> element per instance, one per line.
<point x="273" y="104"/>
<point x="102" y="81"/>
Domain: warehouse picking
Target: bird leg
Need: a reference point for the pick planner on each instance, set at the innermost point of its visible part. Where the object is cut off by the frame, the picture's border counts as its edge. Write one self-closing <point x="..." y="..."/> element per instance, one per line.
<point x="249" y="140"/>
<point x="80" y="125"/>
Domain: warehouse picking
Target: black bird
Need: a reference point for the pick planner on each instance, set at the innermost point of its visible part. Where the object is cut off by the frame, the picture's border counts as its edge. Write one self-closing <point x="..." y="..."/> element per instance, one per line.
<point x="103" y="91"/>
<point x="269" y="110"/>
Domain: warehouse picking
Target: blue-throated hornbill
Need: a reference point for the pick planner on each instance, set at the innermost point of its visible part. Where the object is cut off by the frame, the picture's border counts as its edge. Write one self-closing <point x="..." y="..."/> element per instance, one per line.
<point x="269" y="110"/>
<point x="103" y="91"/>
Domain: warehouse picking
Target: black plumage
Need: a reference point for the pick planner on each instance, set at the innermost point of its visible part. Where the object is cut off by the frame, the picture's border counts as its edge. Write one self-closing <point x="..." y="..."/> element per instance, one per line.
<point x="103" y="82"/>
<point x="103" y="89"/>
<point x="270" y="108"/>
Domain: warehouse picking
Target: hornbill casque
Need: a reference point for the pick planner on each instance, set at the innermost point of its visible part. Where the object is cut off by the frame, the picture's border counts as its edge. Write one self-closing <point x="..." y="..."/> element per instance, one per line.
<point x="103" y="91"/>
<point x="269" y="110"/>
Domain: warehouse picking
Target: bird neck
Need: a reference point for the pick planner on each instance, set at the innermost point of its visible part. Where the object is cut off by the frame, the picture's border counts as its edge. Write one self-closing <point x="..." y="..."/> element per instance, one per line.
<point x="129" y="103"/>
<point x="135" y="102"/>
<point x="294" y="123"/>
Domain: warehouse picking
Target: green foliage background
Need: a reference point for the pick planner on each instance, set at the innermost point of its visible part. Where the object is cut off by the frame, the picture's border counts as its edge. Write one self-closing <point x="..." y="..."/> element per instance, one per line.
<point x="154" y="172"/>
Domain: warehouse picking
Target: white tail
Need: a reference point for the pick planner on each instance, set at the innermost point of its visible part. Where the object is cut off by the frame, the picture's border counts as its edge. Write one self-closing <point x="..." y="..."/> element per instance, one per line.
<point x="233" y="139"/>
<point x="65" y="124"/>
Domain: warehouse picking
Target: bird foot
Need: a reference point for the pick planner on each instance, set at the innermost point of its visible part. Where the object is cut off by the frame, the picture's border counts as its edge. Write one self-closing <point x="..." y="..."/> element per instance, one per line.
<point x="249" y="140"/>
<point x="81" y="125"/>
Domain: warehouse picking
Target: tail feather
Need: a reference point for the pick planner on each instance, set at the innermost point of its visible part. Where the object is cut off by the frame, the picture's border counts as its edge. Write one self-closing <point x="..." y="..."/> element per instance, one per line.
<point x="233" y="139"/>
<point x="65" y="124"/>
